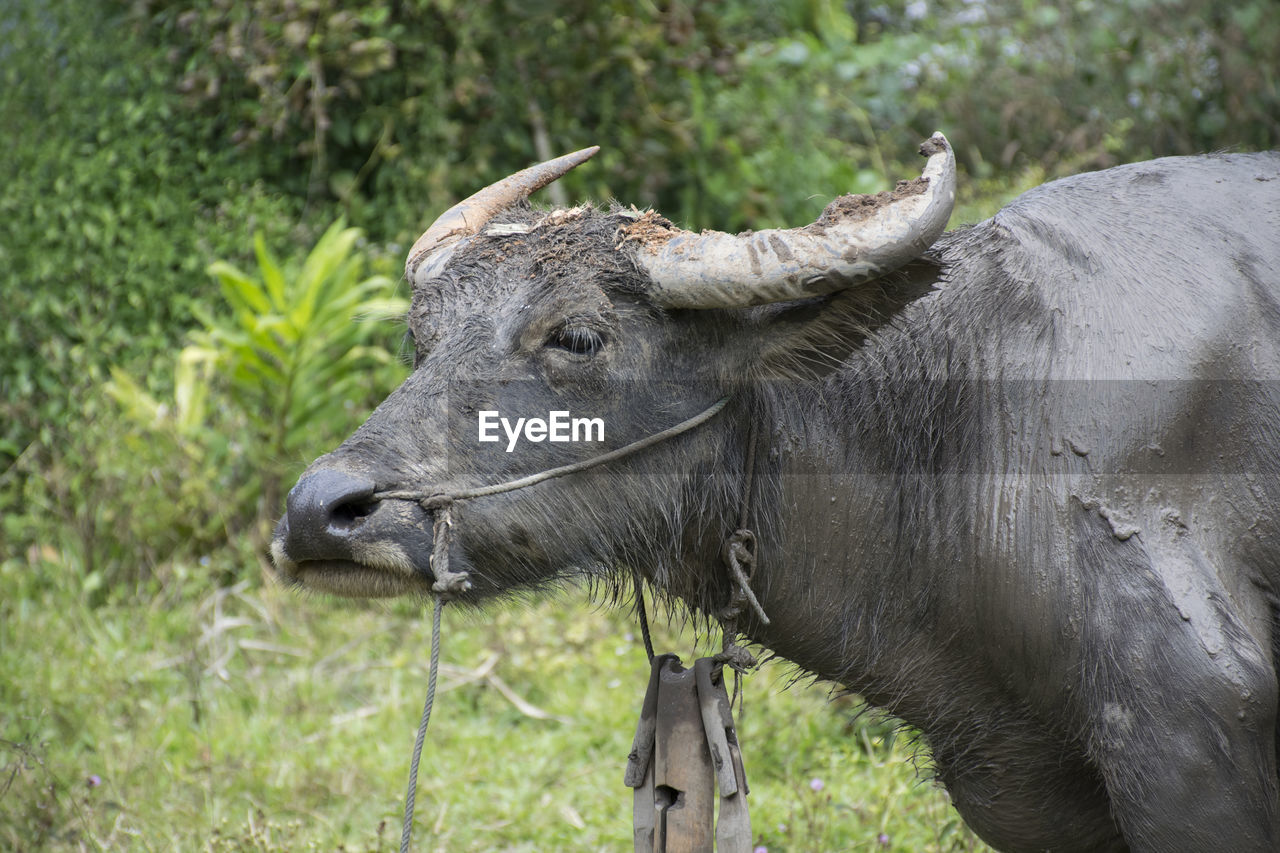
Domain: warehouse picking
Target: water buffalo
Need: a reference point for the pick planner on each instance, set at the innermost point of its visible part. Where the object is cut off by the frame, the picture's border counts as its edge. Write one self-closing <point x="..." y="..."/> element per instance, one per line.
<point x="1018" y="483"/>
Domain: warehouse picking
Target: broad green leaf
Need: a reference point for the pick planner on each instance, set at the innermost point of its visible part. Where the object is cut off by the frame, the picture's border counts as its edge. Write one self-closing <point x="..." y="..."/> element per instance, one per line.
<point x="329" y="252"/>
<point x="271" y="273"/>
<point x="239" y="289"/>
<point x="191" y="389"/>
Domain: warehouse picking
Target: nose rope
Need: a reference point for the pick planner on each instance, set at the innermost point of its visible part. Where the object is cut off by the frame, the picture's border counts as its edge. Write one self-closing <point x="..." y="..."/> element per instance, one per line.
<point x="438" y="500"/>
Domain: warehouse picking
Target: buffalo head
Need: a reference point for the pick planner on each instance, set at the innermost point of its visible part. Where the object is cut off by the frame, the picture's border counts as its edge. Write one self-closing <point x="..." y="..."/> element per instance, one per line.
<point x="530" y="326"/>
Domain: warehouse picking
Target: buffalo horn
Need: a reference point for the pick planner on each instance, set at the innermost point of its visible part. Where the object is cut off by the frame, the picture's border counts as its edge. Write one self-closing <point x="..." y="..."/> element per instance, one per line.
<point x="841" y="249"/>
<point x="467" y="217"/>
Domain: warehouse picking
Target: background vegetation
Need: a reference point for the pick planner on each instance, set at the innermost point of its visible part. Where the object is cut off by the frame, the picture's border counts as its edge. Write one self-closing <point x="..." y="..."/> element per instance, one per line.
<point x="178" y="337"/>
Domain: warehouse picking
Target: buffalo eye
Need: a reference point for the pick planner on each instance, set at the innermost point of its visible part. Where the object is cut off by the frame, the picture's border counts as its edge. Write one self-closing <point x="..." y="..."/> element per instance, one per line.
<point x="577" y="340"/>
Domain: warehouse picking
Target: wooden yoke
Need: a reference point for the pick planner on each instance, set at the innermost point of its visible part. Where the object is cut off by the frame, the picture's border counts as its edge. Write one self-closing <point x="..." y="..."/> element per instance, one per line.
<point x="685" y="750"/>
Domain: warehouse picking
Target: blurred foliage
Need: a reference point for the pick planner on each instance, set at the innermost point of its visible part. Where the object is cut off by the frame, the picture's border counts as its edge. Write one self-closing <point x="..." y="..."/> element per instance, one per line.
<point x="114" y="198"/>
<point x="146" y="138"/>
<point x="302" y="354"/>
<point x="279" y="367"/>
<point x="1080" y="84"/>
<point x="707" y="109"/>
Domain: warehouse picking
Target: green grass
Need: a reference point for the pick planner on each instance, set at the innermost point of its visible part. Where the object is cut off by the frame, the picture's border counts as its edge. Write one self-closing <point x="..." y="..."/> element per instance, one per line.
<point x="253" y="718"/>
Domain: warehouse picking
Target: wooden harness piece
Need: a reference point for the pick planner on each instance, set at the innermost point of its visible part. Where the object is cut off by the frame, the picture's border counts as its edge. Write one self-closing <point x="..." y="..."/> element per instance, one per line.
<point x="686" y="753"/>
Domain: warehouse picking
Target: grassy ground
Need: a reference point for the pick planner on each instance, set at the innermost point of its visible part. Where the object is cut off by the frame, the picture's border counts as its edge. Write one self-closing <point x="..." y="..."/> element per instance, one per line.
<point x="251" y="718"/>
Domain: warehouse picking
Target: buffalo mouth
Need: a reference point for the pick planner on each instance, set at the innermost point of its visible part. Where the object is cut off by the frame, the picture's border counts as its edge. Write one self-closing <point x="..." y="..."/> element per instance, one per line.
<point x="349" y="578"/>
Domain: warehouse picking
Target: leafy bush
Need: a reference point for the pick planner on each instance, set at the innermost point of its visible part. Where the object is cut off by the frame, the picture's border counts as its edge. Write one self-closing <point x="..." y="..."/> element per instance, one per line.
<point x="290" y="364"/>
<point x="397" y="111"/>
<point x="115" y="198"/>
<point x="1077" y="84"/>
<point x="418" y="103"/>
<point x="298" y="367"/>
<point x="130" y="490"/>
<point x="157" y="478"/>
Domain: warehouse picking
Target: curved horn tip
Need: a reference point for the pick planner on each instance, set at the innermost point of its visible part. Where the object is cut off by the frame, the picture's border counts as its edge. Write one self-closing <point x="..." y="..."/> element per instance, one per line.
<point x="940" y="169"/>
<point x="722" y="271"/>
<point x="582" y="155"/>
<point x="935" y="144"/>
<point x="469" y="216"/>
<point x="538" y="176"/>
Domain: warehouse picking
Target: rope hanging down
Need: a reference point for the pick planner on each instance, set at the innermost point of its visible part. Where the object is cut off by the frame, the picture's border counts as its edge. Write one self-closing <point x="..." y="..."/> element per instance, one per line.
<point x="411" y="796"/>
<point x="448" y="585"/>
<point x="686" y="750"/>
<point x="710" y="706"/>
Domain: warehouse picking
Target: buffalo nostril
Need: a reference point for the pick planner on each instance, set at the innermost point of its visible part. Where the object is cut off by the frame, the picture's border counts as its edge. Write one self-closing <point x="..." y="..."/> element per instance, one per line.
<point x="323" y="510"/>
<point x="349" y="515"/>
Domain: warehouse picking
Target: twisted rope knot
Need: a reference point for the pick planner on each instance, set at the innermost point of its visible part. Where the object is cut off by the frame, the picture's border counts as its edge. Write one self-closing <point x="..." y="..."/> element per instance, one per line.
<point x="736" y="657"/>
<point x="740" y="555"/>
<point x="740" y="548"/>
<point x="448" y="584"/>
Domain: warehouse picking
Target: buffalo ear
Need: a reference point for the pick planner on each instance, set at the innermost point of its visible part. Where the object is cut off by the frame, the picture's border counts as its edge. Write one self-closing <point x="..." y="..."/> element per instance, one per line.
<point x="810" y="338"/>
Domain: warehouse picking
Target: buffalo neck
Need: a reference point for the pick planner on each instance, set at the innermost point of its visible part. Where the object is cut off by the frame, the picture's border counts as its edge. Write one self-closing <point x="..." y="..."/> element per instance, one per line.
<point x="854" y="517"/>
